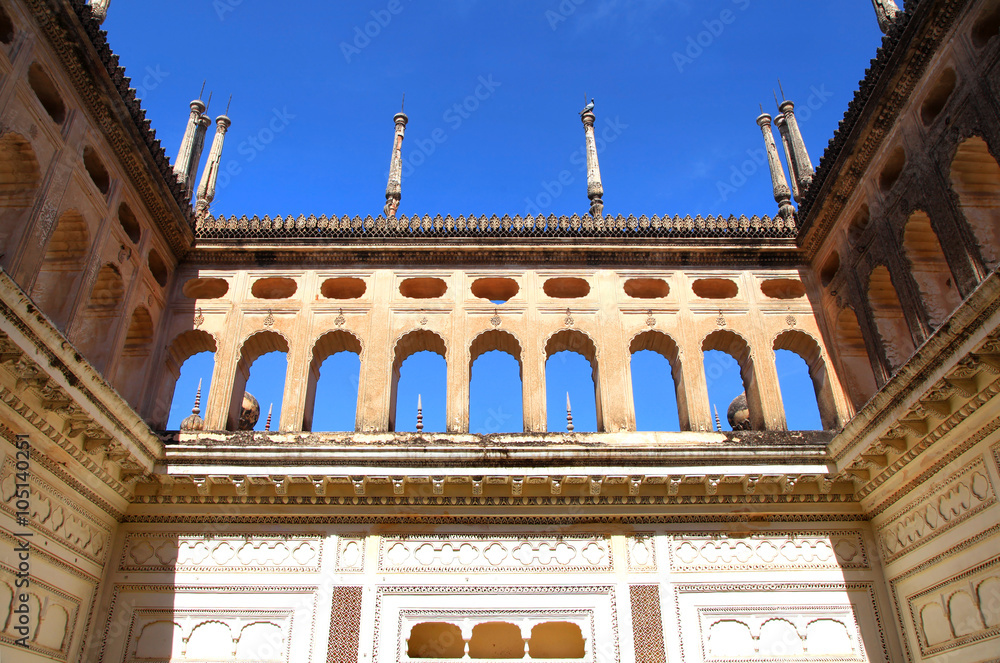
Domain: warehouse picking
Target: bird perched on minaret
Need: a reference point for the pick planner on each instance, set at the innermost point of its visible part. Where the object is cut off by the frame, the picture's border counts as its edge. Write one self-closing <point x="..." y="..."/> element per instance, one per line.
<point x="589" y="107"/>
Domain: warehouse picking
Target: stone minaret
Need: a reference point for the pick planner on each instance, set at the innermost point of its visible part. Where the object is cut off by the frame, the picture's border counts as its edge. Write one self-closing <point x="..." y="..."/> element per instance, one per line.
<point x="887" y="12"/>
<point x="99" y="9"/>
<point x="188" y="157"/>
<point x="782" y="194"/>
<point x="206" y="191"/>
<point x="595" y="189"/>
<point x="394" y="190"/>
<point x="786" y="142"/>
<point x="800" y="165"/>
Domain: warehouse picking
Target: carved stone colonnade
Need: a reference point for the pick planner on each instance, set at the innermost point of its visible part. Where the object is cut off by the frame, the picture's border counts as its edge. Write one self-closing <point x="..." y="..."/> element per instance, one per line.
<point x="605" y="321"/>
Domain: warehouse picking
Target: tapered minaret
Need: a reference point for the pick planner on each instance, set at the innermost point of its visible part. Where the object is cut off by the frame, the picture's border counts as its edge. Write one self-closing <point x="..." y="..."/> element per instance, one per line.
<point x="800" y="165"/>
<point x="186" y="166"/>
<point x="782" y="194"/>
<point x="786" y="142"/>
<point x="595" y="188"/>
<point x="206" y="191"/>
<point x="887" y="11"/>
<point x="99" y="9"/>
<point x="394" y="190"/>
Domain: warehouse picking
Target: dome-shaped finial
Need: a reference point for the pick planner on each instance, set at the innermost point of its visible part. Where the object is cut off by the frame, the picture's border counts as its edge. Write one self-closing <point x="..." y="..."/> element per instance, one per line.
<point x="739" y="413"/>
<point x="194" y="422"/>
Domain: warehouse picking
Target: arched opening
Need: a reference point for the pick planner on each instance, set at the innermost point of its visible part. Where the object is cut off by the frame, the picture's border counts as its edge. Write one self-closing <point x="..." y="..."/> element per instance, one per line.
<point x="129" y="223"/>
<point x="332" y="390"/>
<point x="892" y="169"/>
<point x="423" y="288"/>
<point x="47" y="94"/>
<point x="930" y="269"/>
<point x="435" y="640"/>
<point x="571" y="367"/>
<point x="494" y="640"/>
<point x="6" y="27"/>
<point x="728" y="373"/>
<point x="99" y="316"/>
<point x="859" y="223"/>
<point x="566" y="288"/>
<point x="657" y="383"/>
<point x="158" y="267"/>
<point x="829" y="270"/>
<point x="207" y="288"/>
<point x="274" y="288"/>
<point x="62" y="268"/>
<point x="858" y="376"/>
<point x="190" y="361"/>
<point x="557" y="640"/>
<point x="96" y="169"/>
<point x="889" y="319"/>
<point x="19" y="179"/>
<point x="419" y="373"/>
<point x="266" y="383"/>
<point x="133" y="362"/>
<point x="987" y="25"/>
<point x="938" y="97"/>
<point x="497" y="290"/>
<point x="801" y="366"/>
<point x="975" y="177"/>
<point x="715" y="288"/>
<point x="343" y="288"/>
<point x="783" y="288"/>
<point x="496" y="396"/>
<point x="647" y="288"/>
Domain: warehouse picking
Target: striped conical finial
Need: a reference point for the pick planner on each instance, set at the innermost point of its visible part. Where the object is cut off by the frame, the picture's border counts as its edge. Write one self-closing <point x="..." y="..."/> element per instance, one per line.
<point x="197" y="400"/>
<point x="718" y="422"/>
<point x="420" y="414"/>
<point x="569" y="415"/>
<point x="267" y="424"/>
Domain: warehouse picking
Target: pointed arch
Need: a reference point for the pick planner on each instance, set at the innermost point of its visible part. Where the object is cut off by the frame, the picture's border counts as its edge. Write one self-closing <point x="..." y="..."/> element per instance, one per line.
<point x="663" y="345"/>
<point x="62" y="267"/>
<point x="930" y="269"/>
<point x="496" y="418"/>
<point x="975" y="177"/>
<point x="858" y="376"/>
<point x="254" y="347"/>
<point x="102" y="311"/>
<point x="734" y="345"/>
<point x="20" y="177"/>
<point x="407" y="345"/>
<point x="326" y="346"/>
<point x="890" y="321"/>
<point x="808" y="348"/>
<point x="130" y="380"/>
<point x="578" y="342"/>
<point x="184" y="346"/>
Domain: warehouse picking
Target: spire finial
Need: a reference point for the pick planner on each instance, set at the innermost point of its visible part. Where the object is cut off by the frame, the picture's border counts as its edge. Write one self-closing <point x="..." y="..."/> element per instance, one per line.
<point x="228" y="105"/>
<point x="886" y="11"/>
<point x="394" y="189"/>
<point x="202" y="93"/>
<point x="208" y="104"/>
<point x="267" y="424"/>
<point x="718" y="422"/>
<point x="781" y="89"/>
<point x="595" y="188"/>
<point x="402" y="106"/>
<point x="197" y="400"/>
<point x="569" y="415"/>
<point x="420" y="414"/>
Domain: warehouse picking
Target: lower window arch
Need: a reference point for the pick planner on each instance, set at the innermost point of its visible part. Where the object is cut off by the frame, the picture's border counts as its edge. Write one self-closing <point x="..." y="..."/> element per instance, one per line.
<point x="332" y="388"/>
<point x="419" y="379"/>
<point x="797" y="405"/>
<point x="655" y="361"/>
<point x="571" y="372"/>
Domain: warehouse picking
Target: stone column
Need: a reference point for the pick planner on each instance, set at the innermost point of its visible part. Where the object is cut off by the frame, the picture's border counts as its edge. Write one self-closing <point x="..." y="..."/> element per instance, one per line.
<point x="224" y="379"/>
<point x="375" y="386"/>
<point x="99" y="8"/>
<point x="695" y="384"/>
<point x="533" y="362"/>
<point x="394" y="190"/>
<point x="182" y="166"/>
<point x="595" y="189"/>
<point x="887" y="11"/>
<point x="786" y="143"/>
<point x="803" y="171"/>
<point x="614" y="374"/>
<point x="782" y="194"/>
<point x="206" y="191"/>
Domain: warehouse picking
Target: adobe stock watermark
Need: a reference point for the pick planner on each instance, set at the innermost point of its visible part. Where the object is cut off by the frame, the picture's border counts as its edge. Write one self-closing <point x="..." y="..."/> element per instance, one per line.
<point x="251" y="146"/>
<point x="561" y="13"/>
<point x="757" y="157"/>
<point x="698" y="43"/>
<point x="223" y="7"/>
<point x="365" y="34"/>
<point x="152" y="77"/>
<point x="605" y="134"/>
<point x="455" y="116"/>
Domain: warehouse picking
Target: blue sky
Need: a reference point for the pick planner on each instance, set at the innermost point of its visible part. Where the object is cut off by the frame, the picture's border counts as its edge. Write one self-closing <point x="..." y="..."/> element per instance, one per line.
<point x="493" y="90"/>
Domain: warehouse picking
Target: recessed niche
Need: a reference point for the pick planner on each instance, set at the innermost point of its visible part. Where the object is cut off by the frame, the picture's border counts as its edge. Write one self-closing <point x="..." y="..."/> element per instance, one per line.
<point x="566" y="288"/>
<point x="783" y="288"/>
<point x="45" y="90"/>
<point x="95" y="168"/>
<point x="937" y="98"/>
<point x="829" y="269"/>
<point x="858" y="224"/>
<point x="715" y="288"/>
<point x="205" y="288"/>
<point x="129" y="223"/>
<point x="495" y="289"/>
<point x="987" y="27"/>
<point x="647" y="288"/>
<point x="892" y="170"/>
<point x="343" y="288"/>
<point x="274" y="288"/>
<point x="423" y="288"/>
<point x="6" y="27"/>
<point x="158" y="267"/>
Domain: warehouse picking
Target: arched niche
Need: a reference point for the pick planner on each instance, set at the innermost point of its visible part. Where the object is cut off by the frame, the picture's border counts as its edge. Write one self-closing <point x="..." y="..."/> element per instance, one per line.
<point x="858" y="377"/>
<point x="572" y="340"/>
<point x="666" y="347"/>
<point x="975" y="177"/>
<point x="929" y="268"/>
<point x="487" y="388"/>
<point x="420" y="340"/>
<point x="255" y="346"/>
<point x="181" y="348"/>
<point x="889" y="318"/>
<point x="62" y="268"/>
<point x="19" y="179"/>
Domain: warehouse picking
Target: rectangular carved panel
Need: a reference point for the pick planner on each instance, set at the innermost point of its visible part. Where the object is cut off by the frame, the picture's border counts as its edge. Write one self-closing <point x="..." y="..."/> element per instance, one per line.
<point x="944" y="505"/>
<point x="484" y="554"/>
<point x="200" y="553"/>
<point x="345" y="625"/>
<point x="647" y="624"/>
<point x="52" y="615"/>
<point x="769" y="551"/>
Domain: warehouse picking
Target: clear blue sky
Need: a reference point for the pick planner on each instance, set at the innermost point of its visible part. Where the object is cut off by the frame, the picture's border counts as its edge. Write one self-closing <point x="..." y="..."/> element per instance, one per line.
<point x="493" y="90"/>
